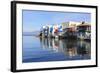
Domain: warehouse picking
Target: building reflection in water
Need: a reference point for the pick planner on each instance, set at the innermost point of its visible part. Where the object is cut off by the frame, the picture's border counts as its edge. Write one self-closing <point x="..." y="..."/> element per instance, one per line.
<point x="70" y="48"/>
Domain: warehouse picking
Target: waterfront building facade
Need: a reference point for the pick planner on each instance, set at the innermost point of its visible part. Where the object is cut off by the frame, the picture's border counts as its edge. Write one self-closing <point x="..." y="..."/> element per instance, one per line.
<point x="81" y="30"/>
<point x="84" y="31"/>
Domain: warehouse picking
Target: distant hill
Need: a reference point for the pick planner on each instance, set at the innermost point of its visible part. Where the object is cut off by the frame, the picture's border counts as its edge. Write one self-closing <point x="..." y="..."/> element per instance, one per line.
<point x="35" y="33"/>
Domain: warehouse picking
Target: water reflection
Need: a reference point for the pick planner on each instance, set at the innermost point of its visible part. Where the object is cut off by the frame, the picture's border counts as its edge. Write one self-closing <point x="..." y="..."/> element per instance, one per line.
<point x="37" y="49"/>
<point x="68" y="47"/>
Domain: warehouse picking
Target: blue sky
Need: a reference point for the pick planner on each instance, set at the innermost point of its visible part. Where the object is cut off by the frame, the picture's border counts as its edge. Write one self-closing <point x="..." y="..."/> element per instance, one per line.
<point x="34" y="20"/>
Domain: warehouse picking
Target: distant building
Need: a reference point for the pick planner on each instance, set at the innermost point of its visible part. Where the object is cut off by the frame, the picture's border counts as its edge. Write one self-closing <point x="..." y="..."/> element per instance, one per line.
<point x="81" y="30"/>
<point x="70" y="24"/>
<point x="70" y="28"/>
<point x="84" y="31"/>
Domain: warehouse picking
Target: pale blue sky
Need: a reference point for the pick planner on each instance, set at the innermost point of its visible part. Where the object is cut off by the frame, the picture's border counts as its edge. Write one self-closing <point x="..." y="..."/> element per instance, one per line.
<point x="34" y="20"/>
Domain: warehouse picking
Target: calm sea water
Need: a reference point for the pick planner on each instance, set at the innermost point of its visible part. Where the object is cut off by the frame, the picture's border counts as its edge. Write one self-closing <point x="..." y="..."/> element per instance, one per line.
<point x="36" y="49"/>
